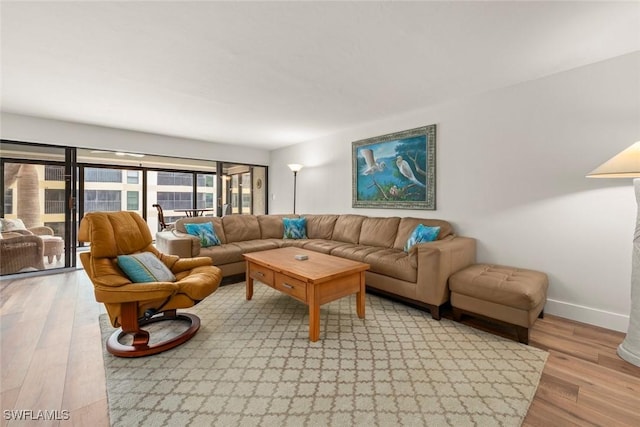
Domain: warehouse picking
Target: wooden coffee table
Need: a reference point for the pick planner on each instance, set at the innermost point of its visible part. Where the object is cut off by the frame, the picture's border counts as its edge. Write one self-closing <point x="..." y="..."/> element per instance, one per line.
<point x="315" y="281"/>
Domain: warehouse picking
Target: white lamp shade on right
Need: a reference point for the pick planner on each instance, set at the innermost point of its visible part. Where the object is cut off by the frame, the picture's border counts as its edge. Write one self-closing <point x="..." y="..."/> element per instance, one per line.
<point x="625" y="164"/>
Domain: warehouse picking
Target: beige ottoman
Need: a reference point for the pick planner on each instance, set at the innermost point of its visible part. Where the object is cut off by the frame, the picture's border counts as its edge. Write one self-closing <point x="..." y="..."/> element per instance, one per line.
<point x="53" y="246"/>
<point x="507" y="294"/>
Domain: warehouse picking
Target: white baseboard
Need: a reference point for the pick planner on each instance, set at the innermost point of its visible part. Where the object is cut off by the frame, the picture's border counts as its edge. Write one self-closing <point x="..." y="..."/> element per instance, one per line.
<point x="592" y="316"/>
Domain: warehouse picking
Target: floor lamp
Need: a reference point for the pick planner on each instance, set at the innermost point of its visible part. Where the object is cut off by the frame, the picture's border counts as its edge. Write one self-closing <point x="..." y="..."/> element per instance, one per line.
<point x="627" y="165"/>
<point x="295" y="168"/>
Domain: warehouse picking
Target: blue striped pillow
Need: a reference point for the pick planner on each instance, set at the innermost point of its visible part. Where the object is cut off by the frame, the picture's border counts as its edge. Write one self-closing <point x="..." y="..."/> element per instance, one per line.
<point x="145" y="267"/>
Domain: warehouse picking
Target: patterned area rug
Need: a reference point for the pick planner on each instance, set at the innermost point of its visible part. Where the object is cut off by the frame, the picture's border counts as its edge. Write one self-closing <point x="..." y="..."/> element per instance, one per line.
<point x="251" y="364"/>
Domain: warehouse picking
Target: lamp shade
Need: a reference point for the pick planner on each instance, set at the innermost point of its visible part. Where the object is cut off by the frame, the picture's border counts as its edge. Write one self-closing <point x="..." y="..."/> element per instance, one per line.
<point x="624" y="165"/>
<point x="295" y="167"/>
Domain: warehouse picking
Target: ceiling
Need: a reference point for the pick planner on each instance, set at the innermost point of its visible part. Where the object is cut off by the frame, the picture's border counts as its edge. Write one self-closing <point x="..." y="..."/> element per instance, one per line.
<point x="270" y="74"/>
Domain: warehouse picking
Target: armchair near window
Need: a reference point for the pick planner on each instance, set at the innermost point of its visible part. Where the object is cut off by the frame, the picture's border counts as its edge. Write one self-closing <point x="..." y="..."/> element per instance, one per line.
<point x="20" y="252"/>
<point x="53" y="245"/>
<point x="132" y="305"/>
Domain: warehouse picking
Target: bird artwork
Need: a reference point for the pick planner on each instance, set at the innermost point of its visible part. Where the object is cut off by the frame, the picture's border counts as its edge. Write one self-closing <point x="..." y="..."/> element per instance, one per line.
<point x="372" y="166"/>
<point x="406" y="171"/>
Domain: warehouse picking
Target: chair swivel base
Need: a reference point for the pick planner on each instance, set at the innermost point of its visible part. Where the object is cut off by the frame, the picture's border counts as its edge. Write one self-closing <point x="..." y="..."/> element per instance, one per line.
<point x="140" y="345"/>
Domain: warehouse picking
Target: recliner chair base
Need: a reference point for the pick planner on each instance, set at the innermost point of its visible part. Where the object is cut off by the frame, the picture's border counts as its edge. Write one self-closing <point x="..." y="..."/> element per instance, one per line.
<point x="140" y="345"/>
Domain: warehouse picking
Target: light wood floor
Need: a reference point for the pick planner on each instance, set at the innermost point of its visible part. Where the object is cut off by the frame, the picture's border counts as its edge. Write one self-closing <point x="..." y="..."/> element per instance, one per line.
<point x="51" y="359"/>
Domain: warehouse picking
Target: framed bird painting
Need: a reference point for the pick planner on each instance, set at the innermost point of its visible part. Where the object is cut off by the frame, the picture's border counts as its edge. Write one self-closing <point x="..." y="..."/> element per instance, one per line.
<point x="397" y="170"/>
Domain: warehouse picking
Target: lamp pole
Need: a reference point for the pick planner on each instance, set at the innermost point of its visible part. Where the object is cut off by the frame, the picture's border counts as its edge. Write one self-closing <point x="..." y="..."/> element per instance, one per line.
<point x="295" y="168"/>
<point x="295" y="176"/>
<point x="627" y="165"/>
<point x="629" y="349"/>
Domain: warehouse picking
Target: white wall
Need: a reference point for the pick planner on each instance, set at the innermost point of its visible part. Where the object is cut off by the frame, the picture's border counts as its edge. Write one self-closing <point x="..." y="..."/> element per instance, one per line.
<point x="56" y="132"/>
<point x="511" y="168"/>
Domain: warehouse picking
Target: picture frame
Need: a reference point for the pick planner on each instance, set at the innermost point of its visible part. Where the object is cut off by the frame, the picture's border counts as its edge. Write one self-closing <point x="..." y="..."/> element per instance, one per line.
<point x="396" y="171"/>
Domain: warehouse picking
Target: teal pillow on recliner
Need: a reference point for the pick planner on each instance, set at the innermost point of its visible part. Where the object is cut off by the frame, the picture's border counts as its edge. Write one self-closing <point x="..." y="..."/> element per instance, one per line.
<point x="145" y="267"/>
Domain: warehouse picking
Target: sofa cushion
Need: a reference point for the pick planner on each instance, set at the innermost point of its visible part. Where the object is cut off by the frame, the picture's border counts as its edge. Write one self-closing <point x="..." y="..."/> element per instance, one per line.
<point x="323" y="246"/>
<point x="379" y="232"/>
<point x="225" y="254"/>
<point x="255" y="245"/>
<point x="347" y="228"/>
<point x="394" y="263"/>
<point x="295" y="228"/>
<point x="407" y="225"/>
<point x="271" y="226"/>
<point x="204" y="232"/>
<point x="320" y="226"/>
<point x="217" y="225"/>
<point x="285" y="243"/>
<point x="421" y="234"/>
<point x="239" y="228"/>
<point x="354" y="252"/>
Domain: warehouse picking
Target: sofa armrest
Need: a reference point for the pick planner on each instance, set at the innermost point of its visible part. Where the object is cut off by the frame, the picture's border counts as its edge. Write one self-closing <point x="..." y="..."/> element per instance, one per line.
<point x="437" y="261"/>
<point x="176" y="243"/>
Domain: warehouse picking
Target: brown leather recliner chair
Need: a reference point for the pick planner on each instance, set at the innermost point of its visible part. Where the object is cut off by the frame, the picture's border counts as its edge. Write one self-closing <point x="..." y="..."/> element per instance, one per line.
<point x="132" y="305"/>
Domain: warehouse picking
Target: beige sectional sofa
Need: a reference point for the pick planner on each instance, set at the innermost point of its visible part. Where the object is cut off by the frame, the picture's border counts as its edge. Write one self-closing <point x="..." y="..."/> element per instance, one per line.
<point x="418" y="277"/>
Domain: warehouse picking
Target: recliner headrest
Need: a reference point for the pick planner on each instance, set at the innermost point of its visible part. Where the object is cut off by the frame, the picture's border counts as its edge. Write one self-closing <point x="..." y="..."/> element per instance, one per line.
<point x="114" y="233"/>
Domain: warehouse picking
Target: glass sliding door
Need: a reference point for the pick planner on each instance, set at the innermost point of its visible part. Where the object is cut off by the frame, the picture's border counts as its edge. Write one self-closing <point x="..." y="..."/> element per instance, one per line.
<point x="245" y="189"/>
<point x="238" y="188"/>
<point x="36" y="209"/>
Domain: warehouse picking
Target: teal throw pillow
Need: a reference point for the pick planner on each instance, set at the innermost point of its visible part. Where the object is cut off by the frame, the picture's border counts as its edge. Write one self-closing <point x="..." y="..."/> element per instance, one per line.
<point x="422" y="234"/>
<point x="145" y="267"/>
<point x="295" y="228"/>
<point x="205" y="232"/>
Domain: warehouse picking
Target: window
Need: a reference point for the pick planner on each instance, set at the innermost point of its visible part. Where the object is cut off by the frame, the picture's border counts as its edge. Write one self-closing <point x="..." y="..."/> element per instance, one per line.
<point x="133" y="200"/>
<point x="246" y="202"/>
<point x="34" y="190"/>
<point x="246" y="193"/>
<point x="205" y="200"/>
<point x="53" y="201"/>
<point x="53" y="173"/>
<point x="205" y="180"/>
<point x="102" y="200"/>
<point x="58" y="228"/>
<point x="8" y="201"/>
<point x="206" y="191"/>
<point x="102" y="175"/>
<point x="171" y="201"/>
<point x="175" y="178"/>
<point x="133" y="177"/>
